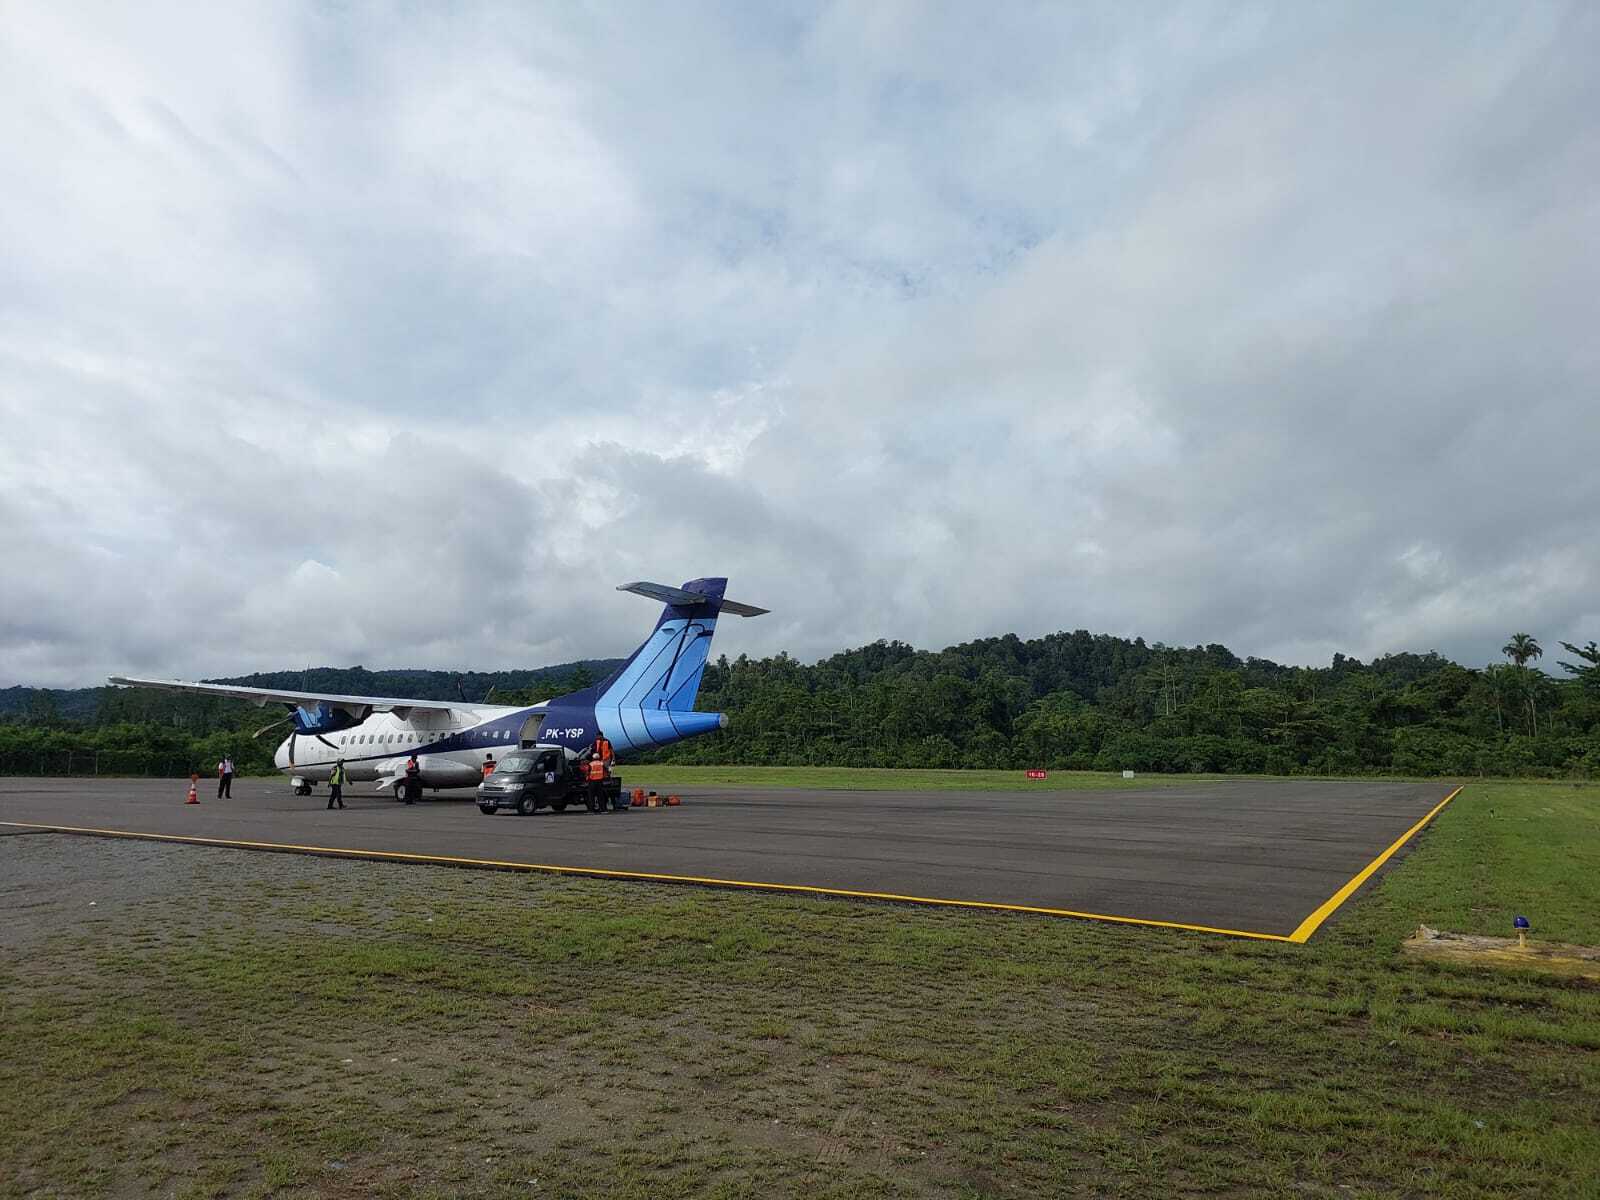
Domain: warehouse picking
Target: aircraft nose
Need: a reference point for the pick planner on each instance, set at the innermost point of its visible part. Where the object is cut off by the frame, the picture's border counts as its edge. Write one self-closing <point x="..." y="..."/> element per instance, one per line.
<point x="281" y="758"/>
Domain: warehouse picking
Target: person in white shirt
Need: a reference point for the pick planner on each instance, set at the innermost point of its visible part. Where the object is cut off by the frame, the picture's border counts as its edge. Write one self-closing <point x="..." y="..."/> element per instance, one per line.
<point x="225" y="777"/>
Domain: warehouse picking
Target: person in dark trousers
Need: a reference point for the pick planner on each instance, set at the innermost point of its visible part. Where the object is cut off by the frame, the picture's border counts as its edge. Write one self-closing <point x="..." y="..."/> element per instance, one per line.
<point x="595" y="772"/>
<point x="225" y="777"/>
<point x="606" y="753"/>
<point x="413" y="783"/>
<point x="336" y="783"/>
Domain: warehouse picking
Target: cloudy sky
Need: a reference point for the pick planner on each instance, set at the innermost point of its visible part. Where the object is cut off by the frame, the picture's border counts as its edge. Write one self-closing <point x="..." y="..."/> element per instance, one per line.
<point x="399" y="335"/>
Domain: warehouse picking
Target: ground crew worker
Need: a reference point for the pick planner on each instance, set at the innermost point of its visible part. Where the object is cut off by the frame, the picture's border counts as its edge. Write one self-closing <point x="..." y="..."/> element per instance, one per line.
<point x="336" y="782"/>
<point x="225" y="777"/>
<point x="602" y="748"/>
<point x="413" y="784"/>
<point x="595" y="771"/>
<point x="488" y="765"/>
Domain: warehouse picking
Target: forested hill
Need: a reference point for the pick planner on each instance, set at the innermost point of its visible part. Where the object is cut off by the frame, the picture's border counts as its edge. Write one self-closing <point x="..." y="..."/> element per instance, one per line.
<point x="1069" y="700"/>
<point x="1087" y="701"/>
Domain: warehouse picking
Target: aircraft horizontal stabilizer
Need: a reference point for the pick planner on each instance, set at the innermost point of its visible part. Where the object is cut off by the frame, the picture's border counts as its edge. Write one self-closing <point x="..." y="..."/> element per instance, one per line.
<point x="686" y="599"/>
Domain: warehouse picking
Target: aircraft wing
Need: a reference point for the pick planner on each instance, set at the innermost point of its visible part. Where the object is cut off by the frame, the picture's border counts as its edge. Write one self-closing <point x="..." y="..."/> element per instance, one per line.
<point x="355" y="706"/>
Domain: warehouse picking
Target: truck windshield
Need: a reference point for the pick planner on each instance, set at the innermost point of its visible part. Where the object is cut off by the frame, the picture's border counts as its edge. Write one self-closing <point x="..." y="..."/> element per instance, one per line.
<point x="515" y="764"/>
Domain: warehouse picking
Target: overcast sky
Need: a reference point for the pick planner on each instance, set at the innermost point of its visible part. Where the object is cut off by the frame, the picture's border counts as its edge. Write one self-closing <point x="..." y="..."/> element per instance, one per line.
<point x="336" y="334"/>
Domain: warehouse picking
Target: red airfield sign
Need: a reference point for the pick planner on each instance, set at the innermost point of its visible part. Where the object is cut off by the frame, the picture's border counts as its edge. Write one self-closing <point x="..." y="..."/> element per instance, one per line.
<point x="1037" y="774"/>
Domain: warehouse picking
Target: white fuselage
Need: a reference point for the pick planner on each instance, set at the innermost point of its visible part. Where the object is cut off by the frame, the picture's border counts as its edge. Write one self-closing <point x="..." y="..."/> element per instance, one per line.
<point x="451" y="747"/>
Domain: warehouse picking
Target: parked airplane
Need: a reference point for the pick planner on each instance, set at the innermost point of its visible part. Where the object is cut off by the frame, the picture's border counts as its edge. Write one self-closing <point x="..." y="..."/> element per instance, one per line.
<point x="648" y="701"/>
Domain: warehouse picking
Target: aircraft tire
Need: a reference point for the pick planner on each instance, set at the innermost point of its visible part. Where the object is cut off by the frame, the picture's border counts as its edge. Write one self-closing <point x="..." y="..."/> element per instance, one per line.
<point x="526" y="806"/>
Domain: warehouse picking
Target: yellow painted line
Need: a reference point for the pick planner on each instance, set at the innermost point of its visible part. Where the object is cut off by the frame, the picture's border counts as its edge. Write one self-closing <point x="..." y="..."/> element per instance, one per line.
<point x="647" y="876"/>
<point x="1315" y="920"/>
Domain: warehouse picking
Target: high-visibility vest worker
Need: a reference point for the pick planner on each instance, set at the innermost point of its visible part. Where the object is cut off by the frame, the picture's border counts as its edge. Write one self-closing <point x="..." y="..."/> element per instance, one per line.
<point x="597" y="770"/>
<point x="602" y="748"/>
<point x="488" y="766"/>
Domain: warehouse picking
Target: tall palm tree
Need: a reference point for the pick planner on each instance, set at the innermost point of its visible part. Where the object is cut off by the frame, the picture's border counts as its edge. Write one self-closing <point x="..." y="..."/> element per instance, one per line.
<point x="1521" y="648"/>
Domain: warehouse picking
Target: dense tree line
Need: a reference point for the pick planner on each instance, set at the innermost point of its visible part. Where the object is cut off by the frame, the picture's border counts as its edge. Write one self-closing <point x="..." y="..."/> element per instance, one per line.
<point x="1093" y="702"/>
<point x="1069" y="700"/>
<point x="134" y="731"/>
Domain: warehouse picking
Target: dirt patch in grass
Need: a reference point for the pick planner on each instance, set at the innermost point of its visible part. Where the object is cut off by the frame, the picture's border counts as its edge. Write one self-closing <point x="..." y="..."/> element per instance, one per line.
<point x="1505" y="954"/>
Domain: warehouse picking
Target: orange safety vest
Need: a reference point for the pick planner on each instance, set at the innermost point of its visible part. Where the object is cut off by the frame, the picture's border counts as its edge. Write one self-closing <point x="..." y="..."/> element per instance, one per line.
<point x="603" y="750"/>
<point x="488" y="769"/>
<point x="597" y="770"/>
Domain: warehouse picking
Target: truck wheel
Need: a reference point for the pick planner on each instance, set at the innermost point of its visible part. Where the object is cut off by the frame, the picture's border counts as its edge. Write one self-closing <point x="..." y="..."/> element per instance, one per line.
<point x="526" y="806"/>
<point x="488" y="810"/>
<point x="558" y="806"/>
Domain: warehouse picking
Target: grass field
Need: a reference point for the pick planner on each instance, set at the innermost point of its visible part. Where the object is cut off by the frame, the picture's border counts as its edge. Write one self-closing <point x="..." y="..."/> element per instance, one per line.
<point x="226" y="1023"/>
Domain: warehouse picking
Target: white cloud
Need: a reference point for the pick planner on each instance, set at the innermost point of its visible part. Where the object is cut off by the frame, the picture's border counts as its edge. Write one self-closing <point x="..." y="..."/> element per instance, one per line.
<point x="336" y="336"/>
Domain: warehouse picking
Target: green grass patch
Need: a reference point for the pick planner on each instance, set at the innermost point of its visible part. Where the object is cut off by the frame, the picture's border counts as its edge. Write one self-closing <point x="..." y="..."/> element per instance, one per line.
<point x="414" y="1031"/>
<point x="1507" y="849"/>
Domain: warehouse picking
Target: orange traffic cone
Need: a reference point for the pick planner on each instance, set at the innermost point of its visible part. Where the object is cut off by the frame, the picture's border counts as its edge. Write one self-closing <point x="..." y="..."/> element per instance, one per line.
<point x="194" y="794"/>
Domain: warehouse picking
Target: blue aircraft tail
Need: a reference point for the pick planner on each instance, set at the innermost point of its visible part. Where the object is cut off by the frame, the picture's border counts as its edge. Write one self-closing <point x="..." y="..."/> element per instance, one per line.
<point x="649" y="700"/>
